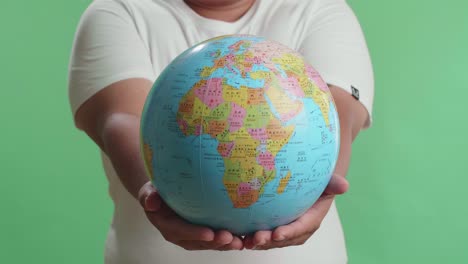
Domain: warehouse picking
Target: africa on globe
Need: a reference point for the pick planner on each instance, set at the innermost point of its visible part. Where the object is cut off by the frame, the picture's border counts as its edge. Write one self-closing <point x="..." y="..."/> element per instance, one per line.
<point x="240" y="133"/>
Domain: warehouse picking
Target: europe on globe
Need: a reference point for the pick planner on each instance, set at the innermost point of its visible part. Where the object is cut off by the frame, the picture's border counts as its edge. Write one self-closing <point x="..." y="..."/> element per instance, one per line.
<point x="240" y="133"/>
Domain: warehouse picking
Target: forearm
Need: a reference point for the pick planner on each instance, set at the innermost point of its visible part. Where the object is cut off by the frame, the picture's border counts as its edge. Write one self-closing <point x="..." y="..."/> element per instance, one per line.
<point x="352" y="116"/>
<point x="351" y="112"/>
<point x="111" y="118"/>
<point x="120" y="139"/>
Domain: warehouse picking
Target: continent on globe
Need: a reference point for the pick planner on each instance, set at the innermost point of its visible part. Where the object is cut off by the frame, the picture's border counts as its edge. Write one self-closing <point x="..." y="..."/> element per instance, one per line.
<point x="250" y="123"/>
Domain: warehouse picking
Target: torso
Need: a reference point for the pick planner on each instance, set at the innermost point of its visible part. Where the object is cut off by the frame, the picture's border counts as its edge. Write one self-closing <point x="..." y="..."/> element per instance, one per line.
<point x="167" y="28"/>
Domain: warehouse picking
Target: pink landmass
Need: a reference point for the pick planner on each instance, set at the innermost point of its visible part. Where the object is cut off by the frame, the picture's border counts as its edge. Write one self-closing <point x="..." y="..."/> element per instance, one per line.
<point x="236" y="117"/>
<point x="211" y="94"/>
<point x="225" y="149"/>
<point x="198" y="130"/>
<point x="292" y="86"/>
<point x="230" y="58"/>
<point x="258" y="133"/>
<point x="255" y="60"/>
<point x="243" y="188"/>
<point x="264" y="48"/>
<point x="266" y="160"/>
<point x="315" y="76"/>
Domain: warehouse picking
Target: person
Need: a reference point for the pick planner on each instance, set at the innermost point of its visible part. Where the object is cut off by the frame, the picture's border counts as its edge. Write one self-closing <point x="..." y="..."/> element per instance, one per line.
<point x="120" y="48"/>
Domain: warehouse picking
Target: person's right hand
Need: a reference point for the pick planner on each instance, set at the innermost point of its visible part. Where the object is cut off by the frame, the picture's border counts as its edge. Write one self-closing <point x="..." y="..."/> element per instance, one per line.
<point x="178" y="231"/>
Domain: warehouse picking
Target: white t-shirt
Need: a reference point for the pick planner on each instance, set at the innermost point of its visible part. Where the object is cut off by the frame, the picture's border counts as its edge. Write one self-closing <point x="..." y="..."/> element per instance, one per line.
<point x="121" y="39"/>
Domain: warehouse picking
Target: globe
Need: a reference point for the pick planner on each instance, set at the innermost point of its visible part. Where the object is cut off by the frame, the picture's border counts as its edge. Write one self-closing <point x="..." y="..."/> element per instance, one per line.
<point x="240" y="133"/>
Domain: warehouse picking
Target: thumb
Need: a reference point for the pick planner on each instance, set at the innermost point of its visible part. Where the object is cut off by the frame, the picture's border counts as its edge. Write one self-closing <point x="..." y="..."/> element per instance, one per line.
<point x="337" y="185"/>
<point x="149" y="198"/>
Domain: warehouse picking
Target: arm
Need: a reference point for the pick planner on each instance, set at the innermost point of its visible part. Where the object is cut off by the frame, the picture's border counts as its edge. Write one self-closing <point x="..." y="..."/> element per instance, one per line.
<point x="111" y="118"/>
<point x="353" y="116"/>
<point x="335" y="46"/>
<point x="109" y="75"/>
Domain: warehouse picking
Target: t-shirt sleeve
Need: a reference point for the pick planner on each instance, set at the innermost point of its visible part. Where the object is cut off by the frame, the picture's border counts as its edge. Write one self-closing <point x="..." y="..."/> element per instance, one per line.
<point x="335" y="46"/>
<point x="107" y="48"/>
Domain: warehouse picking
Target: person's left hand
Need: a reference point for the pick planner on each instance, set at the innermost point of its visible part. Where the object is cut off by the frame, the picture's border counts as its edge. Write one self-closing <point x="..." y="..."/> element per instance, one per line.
<point x="297" y="232"/>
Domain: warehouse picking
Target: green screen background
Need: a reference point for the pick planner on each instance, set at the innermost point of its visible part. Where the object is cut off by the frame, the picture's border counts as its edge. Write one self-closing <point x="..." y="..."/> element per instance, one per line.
<point x="408" y="176"/>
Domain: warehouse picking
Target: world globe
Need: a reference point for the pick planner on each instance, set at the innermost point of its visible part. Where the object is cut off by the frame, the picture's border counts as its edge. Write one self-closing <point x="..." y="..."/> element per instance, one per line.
<point x="240" y="133"/>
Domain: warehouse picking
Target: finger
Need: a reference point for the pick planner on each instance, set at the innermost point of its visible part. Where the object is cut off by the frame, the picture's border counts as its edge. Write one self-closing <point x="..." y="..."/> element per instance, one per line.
<point x="337" y="185"/>
<point x="258" y="238"/>
<point x="222" y="238"/>
<point x="145" y="191"/>
<point x="149" y="198"/>
<point x="285" y="243"/>
<point x="223" y="241"/>
<point x="193" y="245"/>
<point x="295" y="229"/>
<point x="262" y="237"/>
<point x="248" y="241"/>
<point x="174" y="228"/>
<point x="307" y="223"/>
<point x="153" y="202"/>
<point x="236" y="244"/>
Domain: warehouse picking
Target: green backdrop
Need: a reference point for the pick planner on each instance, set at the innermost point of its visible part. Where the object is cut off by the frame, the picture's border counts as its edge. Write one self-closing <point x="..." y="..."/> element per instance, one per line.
<point x="408" y="177"/>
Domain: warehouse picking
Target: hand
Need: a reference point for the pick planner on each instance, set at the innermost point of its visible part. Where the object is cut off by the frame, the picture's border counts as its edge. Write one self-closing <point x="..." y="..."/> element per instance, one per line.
<point x="299" y="231"/>
<point x="177" y="231"/>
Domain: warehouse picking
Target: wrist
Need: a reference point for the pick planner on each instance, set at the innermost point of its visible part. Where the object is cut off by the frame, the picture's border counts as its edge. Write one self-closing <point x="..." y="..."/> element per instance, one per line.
<point x="351" y="113"/>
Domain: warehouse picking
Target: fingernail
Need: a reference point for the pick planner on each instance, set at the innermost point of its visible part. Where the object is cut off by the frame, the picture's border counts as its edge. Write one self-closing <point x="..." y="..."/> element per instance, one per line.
<point x="151" y="206"/>
<point x="207" y="237"/>
<point x="279" y="238"/>
<point x="261" y="243"/>
<point x="148" y="205"/>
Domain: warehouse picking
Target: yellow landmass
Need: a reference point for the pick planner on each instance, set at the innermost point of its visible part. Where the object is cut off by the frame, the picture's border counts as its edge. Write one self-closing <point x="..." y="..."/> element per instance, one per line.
<point x="240" y="134"/>
<point x="323" y="101"/>
<point x="199" y="108"/>
<point x="207" y="71"/>
<point x="278" y="135"/>
<point x="306" y="85"/>
<point x="261" y="75"/>
<point x="290" y="63"/>
<point x="216" y="127"/>
<point x="244" y="148"/>
<point x="186" y="104"/>
<point x="251" y="169"/>
<point x="234" y="95"/>
<point x="283" y="183"/>
<point x="256" y="96"/>
<point x="282" y="103"/>
<point x="243" y="62"/>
